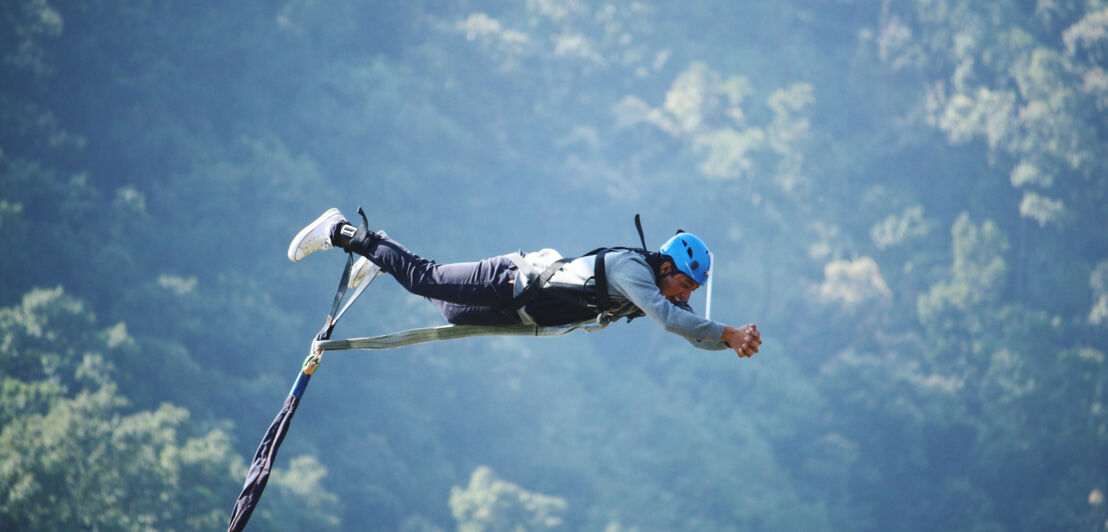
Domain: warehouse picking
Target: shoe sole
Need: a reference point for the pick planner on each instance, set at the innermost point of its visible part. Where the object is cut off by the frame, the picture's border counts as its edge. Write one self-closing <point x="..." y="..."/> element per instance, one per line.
<point x="308" y="229"/>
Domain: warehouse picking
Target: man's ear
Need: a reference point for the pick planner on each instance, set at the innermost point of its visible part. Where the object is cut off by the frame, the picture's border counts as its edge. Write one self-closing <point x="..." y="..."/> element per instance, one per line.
<point x="665" y="268"/>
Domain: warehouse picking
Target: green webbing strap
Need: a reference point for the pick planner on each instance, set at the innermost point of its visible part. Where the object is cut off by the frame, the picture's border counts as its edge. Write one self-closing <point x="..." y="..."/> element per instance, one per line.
<point x="449" y="332"/>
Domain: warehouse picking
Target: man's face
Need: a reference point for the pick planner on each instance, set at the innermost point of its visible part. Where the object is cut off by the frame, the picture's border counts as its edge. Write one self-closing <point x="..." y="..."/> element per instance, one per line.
<point x="678" y="287"/>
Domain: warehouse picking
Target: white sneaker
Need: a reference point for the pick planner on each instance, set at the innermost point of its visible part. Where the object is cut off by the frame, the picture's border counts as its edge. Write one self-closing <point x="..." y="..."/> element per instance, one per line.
<point x="361" y="270"/>
<point x="316" y="236"/>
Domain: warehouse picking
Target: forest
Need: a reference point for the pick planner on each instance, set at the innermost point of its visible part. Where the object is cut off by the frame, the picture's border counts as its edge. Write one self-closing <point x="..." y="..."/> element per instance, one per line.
<point x="909" y="198"/>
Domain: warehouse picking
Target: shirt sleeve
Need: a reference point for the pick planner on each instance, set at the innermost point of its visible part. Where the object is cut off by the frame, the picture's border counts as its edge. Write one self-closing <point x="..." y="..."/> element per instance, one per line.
<point x="631" y="277"/>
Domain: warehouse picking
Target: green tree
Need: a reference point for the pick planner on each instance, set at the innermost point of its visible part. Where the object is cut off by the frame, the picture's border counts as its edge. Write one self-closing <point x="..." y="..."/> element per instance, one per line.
<point x="84" y="463"/>
<point x="74" y="455"/>
<point x="489" y="504"/>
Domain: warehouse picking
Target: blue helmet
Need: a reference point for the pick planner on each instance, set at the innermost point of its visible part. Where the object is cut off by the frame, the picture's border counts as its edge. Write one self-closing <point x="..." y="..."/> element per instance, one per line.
<point x="690" y="255"/>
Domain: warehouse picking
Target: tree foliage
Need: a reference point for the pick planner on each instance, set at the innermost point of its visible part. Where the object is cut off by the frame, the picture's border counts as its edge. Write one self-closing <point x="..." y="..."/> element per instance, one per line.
<point x="74" y="454"/>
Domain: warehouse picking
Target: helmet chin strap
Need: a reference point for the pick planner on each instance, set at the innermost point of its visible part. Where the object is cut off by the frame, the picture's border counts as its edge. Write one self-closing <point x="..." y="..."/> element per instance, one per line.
<point x="711" y="274"/>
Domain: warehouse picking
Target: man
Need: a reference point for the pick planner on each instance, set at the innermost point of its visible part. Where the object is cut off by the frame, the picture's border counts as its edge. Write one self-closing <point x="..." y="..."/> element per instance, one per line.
<point x="542" y="288"/>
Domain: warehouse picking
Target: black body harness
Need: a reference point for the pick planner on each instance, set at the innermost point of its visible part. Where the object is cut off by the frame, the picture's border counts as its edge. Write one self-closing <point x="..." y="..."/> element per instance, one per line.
<point x="574" y="304"/>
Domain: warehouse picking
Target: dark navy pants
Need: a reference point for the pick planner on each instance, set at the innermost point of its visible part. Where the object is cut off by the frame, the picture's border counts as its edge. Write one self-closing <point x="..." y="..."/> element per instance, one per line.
<point x="466" y="293"/>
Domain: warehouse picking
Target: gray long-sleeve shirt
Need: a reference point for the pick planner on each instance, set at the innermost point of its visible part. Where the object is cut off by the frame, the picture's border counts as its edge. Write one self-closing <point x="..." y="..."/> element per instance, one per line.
<point x="632" y="286"/>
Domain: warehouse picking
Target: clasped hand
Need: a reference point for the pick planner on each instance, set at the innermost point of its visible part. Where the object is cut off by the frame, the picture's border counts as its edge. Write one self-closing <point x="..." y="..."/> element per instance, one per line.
<point x="744" y="340"/>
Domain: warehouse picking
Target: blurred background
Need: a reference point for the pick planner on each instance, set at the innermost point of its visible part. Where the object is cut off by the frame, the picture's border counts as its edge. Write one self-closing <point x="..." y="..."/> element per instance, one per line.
<point x="908" y="198"/>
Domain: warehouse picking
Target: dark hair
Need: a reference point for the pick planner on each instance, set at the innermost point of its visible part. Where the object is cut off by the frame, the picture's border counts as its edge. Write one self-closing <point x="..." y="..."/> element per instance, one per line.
<point x="655" y="260"/>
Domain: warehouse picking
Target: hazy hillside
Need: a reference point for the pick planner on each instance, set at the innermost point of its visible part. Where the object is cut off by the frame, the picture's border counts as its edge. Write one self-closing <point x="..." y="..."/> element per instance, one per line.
<point x="910" y="199"/>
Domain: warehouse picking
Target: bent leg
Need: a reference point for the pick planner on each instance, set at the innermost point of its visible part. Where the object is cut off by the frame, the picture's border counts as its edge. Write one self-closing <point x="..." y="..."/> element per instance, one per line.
<point x="486" y="283"/>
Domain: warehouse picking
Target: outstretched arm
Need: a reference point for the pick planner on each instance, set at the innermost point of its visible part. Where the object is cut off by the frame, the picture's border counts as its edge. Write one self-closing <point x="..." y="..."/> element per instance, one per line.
<point x="630" y="276"/>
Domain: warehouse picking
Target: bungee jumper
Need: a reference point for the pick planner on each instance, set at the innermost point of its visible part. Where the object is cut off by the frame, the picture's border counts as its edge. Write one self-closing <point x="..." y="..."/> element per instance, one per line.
<point x="536" y="294"/>
<point x="538" y="290"/>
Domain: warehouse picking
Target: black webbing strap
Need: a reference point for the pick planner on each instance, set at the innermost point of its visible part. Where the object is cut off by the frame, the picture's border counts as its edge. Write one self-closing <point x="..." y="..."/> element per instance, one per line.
<point x="341" y="291"/>
<point x="325" y="332"/>
<point x="638" y="225"/>
<point x="600" y="275"/>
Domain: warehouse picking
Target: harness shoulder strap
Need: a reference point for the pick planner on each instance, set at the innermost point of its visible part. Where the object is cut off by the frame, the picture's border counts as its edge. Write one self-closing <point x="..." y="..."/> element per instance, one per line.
<point x="600" y="275"/>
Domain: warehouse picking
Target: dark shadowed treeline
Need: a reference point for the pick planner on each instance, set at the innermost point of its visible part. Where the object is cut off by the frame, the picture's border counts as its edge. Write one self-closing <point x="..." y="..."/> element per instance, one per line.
<point x="909" y="198"/>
